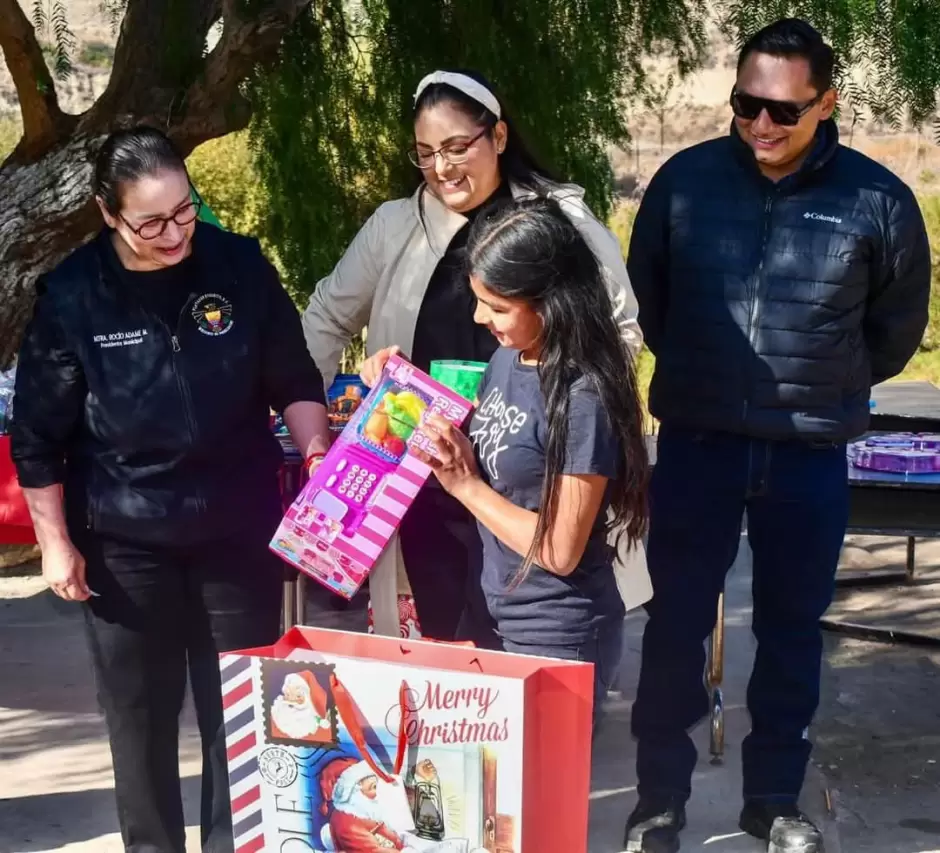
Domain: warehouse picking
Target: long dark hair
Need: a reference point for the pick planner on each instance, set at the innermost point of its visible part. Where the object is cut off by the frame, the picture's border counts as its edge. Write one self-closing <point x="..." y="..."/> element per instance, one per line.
<point x="517" y="163"/>
<point x="531" y="251"/>
<point x="129" y="155"/>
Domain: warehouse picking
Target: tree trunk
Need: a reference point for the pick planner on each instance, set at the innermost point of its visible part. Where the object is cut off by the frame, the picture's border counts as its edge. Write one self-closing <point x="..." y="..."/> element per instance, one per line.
<point x="46" y="207"/>
<point x="46" y="211"/>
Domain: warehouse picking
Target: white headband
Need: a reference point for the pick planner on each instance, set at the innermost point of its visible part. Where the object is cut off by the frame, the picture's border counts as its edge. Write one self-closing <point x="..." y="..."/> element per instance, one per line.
<point x="465" y="84"/>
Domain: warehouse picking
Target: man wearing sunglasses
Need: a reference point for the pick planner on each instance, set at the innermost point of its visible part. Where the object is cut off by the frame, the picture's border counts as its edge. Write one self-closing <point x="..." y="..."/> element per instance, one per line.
<point x="779" y="275"/>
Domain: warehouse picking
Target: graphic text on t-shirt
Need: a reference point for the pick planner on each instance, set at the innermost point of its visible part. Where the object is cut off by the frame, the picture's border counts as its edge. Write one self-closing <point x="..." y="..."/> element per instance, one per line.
<point x="493" y="423"/>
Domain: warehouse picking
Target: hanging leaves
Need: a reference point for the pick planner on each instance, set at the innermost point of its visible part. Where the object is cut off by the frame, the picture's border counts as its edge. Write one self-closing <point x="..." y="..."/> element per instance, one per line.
<point x="888" y="50"/>
<point x="50" y="20"/>
<point x="334" y="117"/>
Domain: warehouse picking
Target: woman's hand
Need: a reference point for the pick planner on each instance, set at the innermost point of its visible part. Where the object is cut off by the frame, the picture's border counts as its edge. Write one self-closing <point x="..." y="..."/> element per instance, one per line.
<point x="456" y="465"/>
<point x="372" y="367"/>
<point x="63" y="569"/>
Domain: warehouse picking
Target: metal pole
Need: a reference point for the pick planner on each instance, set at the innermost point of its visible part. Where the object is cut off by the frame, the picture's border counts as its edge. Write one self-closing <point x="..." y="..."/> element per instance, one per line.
<point x="288" y="605"/>
<point x="300" y="599"/>
<point x="715" y="677"/>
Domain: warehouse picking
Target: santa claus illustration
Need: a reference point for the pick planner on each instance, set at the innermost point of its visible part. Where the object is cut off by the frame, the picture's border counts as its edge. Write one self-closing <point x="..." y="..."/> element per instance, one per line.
<point x="299" y="712"/>
<point x="357" y="822"/>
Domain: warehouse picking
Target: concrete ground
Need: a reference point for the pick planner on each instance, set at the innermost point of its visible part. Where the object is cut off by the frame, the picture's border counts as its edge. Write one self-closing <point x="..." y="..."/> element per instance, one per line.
<point x="873" y="786"/>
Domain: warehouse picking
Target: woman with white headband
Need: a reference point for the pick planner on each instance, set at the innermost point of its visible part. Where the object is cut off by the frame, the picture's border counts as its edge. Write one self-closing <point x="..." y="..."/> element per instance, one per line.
<point x="403" y="276"/>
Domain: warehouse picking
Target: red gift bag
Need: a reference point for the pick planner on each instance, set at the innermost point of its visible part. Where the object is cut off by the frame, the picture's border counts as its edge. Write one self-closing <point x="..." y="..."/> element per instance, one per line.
<point x="346" y="742"/>
<point x="16" y="526"/>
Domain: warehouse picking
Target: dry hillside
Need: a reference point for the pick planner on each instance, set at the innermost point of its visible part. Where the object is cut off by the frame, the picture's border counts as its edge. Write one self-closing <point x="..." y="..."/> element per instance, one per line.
<point x="94" y="38"/>
<point x="697" y="108"/>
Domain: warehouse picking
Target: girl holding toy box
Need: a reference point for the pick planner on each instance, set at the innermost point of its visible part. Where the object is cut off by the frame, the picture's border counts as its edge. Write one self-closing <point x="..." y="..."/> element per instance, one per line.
<point x="556" y="456"/>
<point x="403" y="277"/>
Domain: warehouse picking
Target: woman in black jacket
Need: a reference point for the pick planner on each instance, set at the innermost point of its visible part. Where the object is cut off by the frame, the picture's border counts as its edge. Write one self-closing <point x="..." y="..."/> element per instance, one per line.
<point x="142" y="442"/>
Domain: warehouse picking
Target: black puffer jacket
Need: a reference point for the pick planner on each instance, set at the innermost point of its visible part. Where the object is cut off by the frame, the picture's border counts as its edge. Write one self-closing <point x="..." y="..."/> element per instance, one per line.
<point x="773" y="308"/>
<point x="161" y="435"/>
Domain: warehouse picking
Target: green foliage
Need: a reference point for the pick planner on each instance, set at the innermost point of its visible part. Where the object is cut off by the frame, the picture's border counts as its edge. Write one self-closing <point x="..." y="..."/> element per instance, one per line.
<point x="318" y="150"/>
<point x="930" y="206"/>
<point x="114" y="12"/>
<point x="621" y="223"/>
<point x="334" y="117"/>
<point x="892" y="46"/>
<point x="50" y="20"/>
<point x="10" y="132"/>
<point x="223" y="173"/>
<point x="96" y="54"/>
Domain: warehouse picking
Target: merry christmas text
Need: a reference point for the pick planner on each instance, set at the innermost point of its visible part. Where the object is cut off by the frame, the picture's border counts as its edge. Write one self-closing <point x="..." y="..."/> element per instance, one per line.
<point x="422" y="712"/>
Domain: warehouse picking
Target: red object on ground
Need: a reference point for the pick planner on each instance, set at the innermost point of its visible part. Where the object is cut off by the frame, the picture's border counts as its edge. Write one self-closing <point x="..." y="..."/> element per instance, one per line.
<point x="16" y="527"/>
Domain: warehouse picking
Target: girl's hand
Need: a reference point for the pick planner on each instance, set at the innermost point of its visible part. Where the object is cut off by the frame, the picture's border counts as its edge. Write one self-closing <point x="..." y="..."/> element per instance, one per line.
<point x="456" y="465"/>
<point x="372" y="367"/>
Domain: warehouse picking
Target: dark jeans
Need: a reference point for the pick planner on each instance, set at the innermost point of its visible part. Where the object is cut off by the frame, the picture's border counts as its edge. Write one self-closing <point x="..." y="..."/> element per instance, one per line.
<point x="604" y="650"/>
<point x="796" y="498"/>
<point x="439" y="542"/>
<point x="163" y="614"/>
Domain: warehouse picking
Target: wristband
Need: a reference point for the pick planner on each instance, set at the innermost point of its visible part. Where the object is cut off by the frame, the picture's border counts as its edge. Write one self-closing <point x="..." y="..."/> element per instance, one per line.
<point x="313" y="457"/>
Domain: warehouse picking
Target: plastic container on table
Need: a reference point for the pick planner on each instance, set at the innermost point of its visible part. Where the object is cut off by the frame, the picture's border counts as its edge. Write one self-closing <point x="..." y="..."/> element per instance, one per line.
<point x="464" y="377"/>
<point x="897" y="453"/>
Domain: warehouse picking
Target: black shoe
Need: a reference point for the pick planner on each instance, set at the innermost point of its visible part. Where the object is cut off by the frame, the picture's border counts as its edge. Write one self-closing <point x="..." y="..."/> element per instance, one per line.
<point x="654" y="826"/>
<point x="783" y="826"/>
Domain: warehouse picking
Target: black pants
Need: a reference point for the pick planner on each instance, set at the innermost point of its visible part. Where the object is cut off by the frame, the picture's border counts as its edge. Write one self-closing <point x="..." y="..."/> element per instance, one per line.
<point x="163" y="614"/>
<point x="442" y="551"/>
<point x="796" y="497"/>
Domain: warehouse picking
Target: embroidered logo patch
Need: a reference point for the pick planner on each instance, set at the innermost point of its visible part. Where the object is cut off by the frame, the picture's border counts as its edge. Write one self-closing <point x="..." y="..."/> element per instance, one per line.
<point x="213" y="314"/>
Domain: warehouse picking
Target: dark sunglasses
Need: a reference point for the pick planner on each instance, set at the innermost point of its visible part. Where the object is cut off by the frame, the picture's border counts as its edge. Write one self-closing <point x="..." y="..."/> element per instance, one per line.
<point x="786" y="113"/>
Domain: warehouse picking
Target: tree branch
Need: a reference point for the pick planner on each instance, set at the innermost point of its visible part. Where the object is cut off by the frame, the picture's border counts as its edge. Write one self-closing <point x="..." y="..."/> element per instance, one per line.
<point x="44" y="123"/>
<point x="158" y="53"/>
<point x="215" y="104"/>
<point x="191" y="97"/>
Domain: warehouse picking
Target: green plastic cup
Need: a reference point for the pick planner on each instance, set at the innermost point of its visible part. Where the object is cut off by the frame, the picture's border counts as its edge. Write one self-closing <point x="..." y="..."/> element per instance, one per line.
<point x="461" y="376"/>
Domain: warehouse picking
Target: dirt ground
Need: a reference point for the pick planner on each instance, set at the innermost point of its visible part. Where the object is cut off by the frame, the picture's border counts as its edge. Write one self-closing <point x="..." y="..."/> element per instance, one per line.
<point x="878" y="731"/>
<point x="873" y="785"/>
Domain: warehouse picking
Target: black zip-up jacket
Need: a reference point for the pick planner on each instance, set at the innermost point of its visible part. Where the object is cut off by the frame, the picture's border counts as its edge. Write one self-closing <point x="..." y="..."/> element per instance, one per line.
<point x="773" y="308"/>
<point x="161" y="434"/>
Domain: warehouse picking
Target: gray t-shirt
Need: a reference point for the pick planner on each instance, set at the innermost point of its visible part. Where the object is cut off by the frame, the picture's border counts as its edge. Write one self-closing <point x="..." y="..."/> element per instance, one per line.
<point x="509" y="433"/>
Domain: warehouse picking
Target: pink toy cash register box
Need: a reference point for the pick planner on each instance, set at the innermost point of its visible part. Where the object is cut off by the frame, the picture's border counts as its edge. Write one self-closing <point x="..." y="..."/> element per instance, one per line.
<point x="346" y="514"/>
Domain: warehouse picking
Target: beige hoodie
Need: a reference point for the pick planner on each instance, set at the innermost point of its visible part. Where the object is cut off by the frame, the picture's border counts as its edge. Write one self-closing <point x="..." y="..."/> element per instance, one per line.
<point x="380" y="283"/>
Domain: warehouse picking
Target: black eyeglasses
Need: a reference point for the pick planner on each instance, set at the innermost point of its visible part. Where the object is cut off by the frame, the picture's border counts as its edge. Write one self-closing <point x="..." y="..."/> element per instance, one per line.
<point x="787" y="113"/>
<point x="154" y="228"/>
<point x="455" y="153"/>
